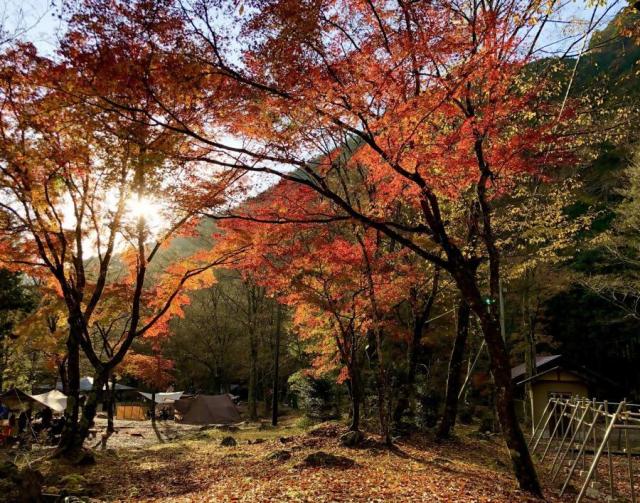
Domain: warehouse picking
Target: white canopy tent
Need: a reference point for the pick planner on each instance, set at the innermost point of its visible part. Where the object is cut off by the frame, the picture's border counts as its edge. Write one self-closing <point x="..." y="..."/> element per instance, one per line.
<point x="164" y="398"/>
<point x="86" y="384"/>
<point x="54" y="399"/>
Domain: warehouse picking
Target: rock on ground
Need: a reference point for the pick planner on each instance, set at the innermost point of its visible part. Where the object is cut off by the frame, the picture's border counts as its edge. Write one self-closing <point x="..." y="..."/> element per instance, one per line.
<point x="324" y="459"/>
<point x="228" y="442"/>
<point x="279" y="455"/>
<point x="351" y="438"/>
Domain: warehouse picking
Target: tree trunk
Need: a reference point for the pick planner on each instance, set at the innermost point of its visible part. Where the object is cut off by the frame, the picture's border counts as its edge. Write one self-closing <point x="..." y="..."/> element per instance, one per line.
<point x="64" y="378"/>
<point x="530" y="358"/>
<point x="355" y="410"/>
<point x="523" y="466"/>
<point x="421" y="320"/>
<point x="455" y="372"/>
<point x="253" y="359"/>
<point x="154" y="425"/>
<point x="520" y="456"/>
<point x="383" y="402"/>
<point x="89" y="411"/>
<point x="72" y="411"/>
<point x="265" y="389"/>
<point x="524" y="469"/>
<point x="356" y="398"/>
<point x="407" y="388"/>
<point x="528" y="329"/>
<point x="276" y="365"/>
<point x="111" y="405"/>
<point x="383" y="388"/>
<point x="74" y="443"/>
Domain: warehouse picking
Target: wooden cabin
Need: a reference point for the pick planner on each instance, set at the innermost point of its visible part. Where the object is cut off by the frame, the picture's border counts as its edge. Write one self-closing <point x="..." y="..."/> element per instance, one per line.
<point x="554" y="375"/>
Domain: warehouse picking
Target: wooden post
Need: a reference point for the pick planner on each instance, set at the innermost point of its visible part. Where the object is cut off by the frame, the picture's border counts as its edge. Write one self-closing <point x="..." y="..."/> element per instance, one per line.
<point x="629" y="460"/>
<point x="556" y="469"/>
<point x="544" y="426"/>
<point x="609" y="463"/>
<point x="575" y="461"/>
<point x="595" y="441"/>
<point x="598" y="454"/>
<point x="536" y="429"/>
<point x="555" y="429"/>
<point x="573" y="403"/>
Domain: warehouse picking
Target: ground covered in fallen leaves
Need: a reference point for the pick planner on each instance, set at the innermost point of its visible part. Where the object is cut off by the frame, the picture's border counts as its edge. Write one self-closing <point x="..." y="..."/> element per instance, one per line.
<point x="268" y="464"/>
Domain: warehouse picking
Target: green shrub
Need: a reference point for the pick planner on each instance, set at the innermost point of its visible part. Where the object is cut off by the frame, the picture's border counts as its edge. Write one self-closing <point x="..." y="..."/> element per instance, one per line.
<point x="316" y="397"/>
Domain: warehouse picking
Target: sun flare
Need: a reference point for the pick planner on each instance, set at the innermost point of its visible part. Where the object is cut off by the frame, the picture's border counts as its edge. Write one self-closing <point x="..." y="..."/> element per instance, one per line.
<point x="149" y="209"/>
<point x="143" y="207"/>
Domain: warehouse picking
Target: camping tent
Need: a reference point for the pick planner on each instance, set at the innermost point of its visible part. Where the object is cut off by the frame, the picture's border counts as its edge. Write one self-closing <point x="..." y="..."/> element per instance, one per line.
<point x="164" y="401"/>
<point x="19" y="400"/>
<point x="207" y="409"/>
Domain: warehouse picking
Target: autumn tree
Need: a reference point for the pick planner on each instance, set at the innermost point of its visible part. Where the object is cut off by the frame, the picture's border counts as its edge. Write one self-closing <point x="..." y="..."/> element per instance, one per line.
<point x="433" y="97"/>
<point x="327" y="299"/>
<point x="344" y="286"/>
<point x="76" y="185"/>
<point x="436" y="97"/>
<point x="16" y="299"/>
<point x="37" y="351"/>
<point x="153" y="370"/>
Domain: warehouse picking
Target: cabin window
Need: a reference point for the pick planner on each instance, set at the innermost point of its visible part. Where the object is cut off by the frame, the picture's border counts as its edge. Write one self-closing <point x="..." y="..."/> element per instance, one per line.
<point x="559" y="394"/>
<point x="557" y="417"/>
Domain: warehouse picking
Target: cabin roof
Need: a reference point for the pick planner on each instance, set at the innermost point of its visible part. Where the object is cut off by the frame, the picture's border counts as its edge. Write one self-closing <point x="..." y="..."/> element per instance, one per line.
<point x="542" y="362"/>
<point x="550" y="363"/>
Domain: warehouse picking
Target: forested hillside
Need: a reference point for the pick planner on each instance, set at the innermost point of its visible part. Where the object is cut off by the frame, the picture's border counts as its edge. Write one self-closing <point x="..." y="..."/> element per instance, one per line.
<point x="602" y="277"/>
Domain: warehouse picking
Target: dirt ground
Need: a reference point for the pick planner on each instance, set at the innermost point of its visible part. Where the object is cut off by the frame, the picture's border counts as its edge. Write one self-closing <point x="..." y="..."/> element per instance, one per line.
<point x="189" y="464"/>
<point x="139" y="434"/>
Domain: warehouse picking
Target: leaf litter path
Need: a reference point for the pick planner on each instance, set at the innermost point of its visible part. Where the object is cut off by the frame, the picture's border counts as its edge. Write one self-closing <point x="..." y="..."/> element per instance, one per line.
<point x="196" y="468"/>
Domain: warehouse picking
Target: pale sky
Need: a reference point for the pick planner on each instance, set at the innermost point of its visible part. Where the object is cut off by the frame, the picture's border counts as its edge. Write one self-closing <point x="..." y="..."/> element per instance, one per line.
<point x="34" y="20"/>
<point x="37" y="22"/>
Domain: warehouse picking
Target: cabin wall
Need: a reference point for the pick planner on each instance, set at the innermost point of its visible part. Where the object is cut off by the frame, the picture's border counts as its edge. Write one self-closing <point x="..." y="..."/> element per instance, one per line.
<point x="560" y="383"/>
<point x="131" y="412"/>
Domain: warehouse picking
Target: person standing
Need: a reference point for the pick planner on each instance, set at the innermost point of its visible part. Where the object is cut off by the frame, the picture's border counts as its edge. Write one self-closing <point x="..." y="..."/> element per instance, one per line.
<point x="4" y="411"/>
